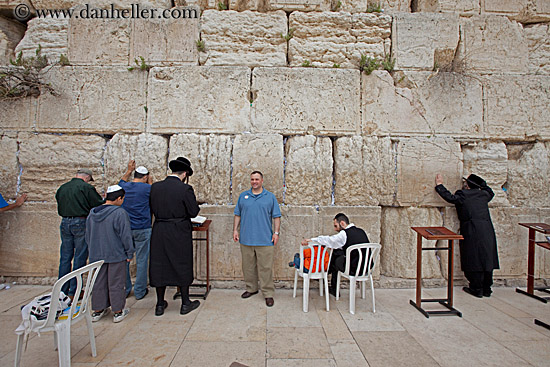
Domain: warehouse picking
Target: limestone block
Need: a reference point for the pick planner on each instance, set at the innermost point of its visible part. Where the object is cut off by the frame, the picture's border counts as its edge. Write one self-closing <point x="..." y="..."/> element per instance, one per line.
<point x="505" y="6"/>
<point x="146" y="149"/>
<point x="396" y="6"/>
<point x="538" y="42"/>
<point x="490" y="161"/>
<point x="11" y="33"/>
<point x="528" y="175"/>
<point x="99" y="4"/>
<point x="111" y="41"/>
<point x="308" y="170"/>
<point x="225" y="254"/>
<point x="297" y="223"/>
<point x="297" y="100"/>
<point x="30" y="252"/>
<point x="48" y="161"/>
<point x="418" y="37"/>
<point x="286" y="5"/>
<point x="418" y="161"/>
<point x="93" y="99"/>
<point x="491" y="43"/>
<point x="194" y="98"/>
<point x="9" y="169"/>
<point x="421" y="103"/>
<point x="398" y="254"/>
<point x="329" y="38"/>
<point x="364" y="171"/>
<point x="512" y="240"/>
<point x="166" y="41"/>
<point x="210" y="157"/>
<point x="50" y="33"/>
<point x="246" y="38"/>
<point x="516" y="106"/>
<point x="463" y="7"/>
<point x="262" y="153"/>
<point x="18" y="114"/>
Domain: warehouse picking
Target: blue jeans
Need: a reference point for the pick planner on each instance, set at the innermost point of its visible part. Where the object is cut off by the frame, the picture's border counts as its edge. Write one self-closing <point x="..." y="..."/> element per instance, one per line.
<point x="73" y="245"/>
<point x="142" y="240"/>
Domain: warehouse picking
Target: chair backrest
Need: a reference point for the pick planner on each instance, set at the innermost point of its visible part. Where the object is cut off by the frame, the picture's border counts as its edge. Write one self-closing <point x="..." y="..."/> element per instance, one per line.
<point x="91" y="270"/>
<point x="317" y="258"/>
<point x="366" y="263"/>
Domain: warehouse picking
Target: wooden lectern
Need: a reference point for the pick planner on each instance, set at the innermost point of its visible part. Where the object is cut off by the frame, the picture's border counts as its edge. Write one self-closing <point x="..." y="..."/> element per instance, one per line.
<point x="435" y="233"/>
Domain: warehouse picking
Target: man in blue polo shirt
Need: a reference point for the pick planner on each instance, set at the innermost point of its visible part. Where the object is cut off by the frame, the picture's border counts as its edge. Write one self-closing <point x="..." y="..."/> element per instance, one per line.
<point x="136" y="203"/>
<point x="4" y="206"/>
<point x="254" y="212"/>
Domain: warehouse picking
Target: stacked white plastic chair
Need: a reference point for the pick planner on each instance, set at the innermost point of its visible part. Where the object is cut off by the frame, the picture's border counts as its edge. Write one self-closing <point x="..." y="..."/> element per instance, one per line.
<point x="365" y="266"/>
<point x="62" y="327"/>
<point x="320" y="272"/>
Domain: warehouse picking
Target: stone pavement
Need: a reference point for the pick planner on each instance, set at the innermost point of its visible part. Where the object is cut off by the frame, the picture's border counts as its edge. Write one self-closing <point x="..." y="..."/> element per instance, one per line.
<point x="496" y="331"/>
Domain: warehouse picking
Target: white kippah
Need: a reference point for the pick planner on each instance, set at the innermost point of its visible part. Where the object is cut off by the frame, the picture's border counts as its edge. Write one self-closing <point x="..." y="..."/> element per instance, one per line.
<point x="113" y="188"/>
<point x="142" y="170"/>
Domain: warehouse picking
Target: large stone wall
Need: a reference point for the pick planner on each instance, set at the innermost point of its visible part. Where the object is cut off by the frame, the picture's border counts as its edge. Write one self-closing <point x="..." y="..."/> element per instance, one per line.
<point x="277" y="88"/>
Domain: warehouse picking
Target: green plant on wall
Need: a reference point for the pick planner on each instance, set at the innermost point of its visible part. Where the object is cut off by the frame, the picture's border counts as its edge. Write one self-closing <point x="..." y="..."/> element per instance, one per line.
<point x="140" y="65"/>
<point x="287" y="37"/>
<point x="200" y="45"/>
<point x="306" y="64"/>
<point x="388" y="63"/>
<point x="24" y="76"/>
<point x="373" y="7"/>
<point x="368" y="64"/>
<point x="336" y="5"/>
<point x="222" y="6"/>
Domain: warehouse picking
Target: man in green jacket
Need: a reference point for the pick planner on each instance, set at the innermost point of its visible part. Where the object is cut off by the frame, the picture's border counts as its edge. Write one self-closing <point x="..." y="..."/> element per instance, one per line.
<point x="75" y="199"/>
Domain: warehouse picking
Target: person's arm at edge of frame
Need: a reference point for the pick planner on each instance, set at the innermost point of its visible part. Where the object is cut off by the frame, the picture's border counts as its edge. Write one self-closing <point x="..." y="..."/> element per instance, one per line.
<point x="277" y="226"/>
<point x="484" y="187"/>
<point x="18" y="202"/>
<point x="236" y="222"/>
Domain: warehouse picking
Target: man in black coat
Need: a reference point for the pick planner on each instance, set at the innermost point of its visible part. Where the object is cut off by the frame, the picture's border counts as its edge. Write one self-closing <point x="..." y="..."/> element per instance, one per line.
<point x="173" y="204"/>
<point x="478" y="250"/>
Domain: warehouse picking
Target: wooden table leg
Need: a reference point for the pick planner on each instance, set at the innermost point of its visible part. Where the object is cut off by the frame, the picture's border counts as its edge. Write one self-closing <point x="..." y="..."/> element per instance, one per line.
<point x="418" y="270"/>
<point x="531" y="263"/>
<point x="450" y="273"/>
<point x="207" y="261"/>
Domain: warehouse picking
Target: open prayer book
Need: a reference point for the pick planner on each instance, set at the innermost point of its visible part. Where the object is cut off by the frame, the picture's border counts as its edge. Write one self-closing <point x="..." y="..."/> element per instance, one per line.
<point x="198" y="219"/>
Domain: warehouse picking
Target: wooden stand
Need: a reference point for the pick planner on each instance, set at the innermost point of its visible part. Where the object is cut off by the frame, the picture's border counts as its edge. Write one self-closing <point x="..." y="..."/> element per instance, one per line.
<point x="435" y="233"/>
<point x="533" y="228"/>
<point x="205" y="227"/>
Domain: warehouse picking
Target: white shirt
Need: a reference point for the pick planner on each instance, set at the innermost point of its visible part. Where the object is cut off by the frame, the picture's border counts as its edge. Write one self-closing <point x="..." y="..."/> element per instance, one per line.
<point x="335" y="241"/>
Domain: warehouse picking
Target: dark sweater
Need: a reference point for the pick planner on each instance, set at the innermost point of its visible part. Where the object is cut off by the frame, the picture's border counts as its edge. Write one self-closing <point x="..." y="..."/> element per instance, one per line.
<point x="76" y="197"/>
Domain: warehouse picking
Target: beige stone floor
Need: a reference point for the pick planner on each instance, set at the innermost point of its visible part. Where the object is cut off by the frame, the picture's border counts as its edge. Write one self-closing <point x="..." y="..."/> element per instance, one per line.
<point x="496" y="331"/>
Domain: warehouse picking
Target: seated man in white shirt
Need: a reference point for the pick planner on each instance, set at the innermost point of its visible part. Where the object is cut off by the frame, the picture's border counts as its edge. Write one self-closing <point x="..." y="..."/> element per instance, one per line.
<point x="348" y="235"/>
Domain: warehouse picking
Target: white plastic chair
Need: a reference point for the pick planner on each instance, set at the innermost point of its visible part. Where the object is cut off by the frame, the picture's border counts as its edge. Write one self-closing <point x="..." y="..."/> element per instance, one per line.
<point x="62" y="328"/>
<point x="319" y="273"/>
<point x="363" y="273"/>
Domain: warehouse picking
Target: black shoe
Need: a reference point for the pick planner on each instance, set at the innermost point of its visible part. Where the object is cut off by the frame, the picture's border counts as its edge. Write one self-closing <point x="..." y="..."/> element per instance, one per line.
<point x="159" y="310"/>
<point x="469" y="290"/>
<point x="487" y="293"/>
<point x="248" y="294"/>
<point x="185" y="309"/>
<point x="332" y="291"/>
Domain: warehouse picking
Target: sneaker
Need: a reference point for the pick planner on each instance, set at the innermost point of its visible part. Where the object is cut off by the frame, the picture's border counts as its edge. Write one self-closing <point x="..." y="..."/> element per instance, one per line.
<point x="119" y="316"/>
<point x="98" y="315"/>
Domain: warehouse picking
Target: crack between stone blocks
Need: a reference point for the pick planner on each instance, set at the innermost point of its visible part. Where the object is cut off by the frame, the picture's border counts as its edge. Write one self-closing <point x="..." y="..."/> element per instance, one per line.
<point x="285" y="140"/>
<point x="146" y="107"/>
<point x="395" y="144"/>
<point x="20" y="167"/>
<point x="231" y="170"/>
<point x="287" y="41"/>
<point x="333" y="187"/>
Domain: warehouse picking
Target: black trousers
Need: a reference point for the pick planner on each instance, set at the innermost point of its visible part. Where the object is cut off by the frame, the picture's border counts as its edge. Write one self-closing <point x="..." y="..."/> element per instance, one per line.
<point x="337" y="263"/>
<point x="480" y="280"/>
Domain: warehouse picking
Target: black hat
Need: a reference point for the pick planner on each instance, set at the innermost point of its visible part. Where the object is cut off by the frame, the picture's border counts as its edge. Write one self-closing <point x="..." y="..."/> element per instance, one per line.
<point x="181" y="164"/>
<point x="475" y="181"/>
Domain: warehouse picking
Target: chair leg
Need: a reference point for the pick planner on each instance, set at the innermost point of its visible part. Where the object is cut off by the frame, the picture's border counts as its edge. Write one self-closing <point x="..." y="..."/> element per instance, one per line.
<point x="327" y="296"/>
<point x="64" y="346"/>
<point x="88" y="318"/>
<point x="321" y="287"/>
<point x="372" y="290"/>
<point x="363" y="289"/>
<point x="306" y="293"/>
<point x="352" y="287"/>
<point x="19" y="349"/>
<point x="338" y="286"/>
<point x="295" y="282"/>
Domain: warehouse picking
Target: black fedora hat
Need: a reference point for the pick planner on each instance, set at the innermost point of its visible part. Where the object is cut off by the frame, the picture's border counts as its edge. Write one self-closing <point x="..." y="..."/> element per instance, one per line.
<point x="181" y="164"/>
<point x="475" y="181"/>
